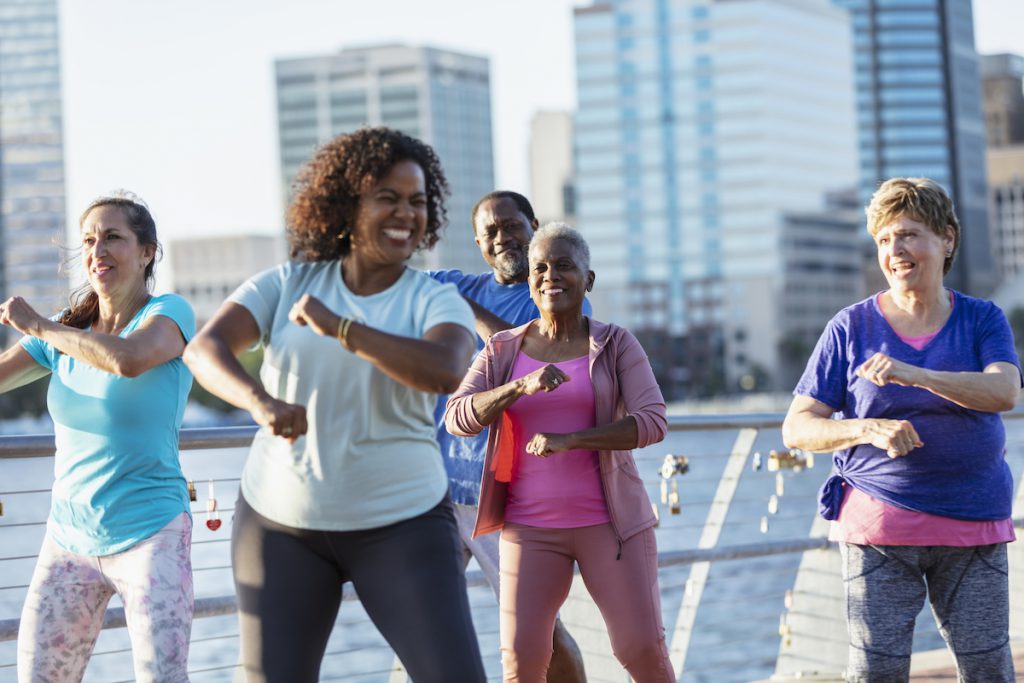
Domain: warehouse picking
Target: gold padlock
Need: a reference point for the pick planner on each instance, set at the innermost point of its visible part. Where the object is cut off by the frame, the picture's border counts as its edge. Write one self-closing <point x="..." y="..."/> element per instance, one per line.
<point x="673" y="499"/>
<point x="192" y="496"/>
<point x="1" y="508"/>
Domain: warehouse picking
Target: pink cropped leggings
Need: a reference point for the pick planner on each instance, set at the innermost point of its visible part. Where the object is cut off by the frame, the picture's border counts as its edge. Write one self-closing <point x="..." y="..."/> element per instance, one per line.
<point x="536" y="574"/>
<point x="68" y="597"/>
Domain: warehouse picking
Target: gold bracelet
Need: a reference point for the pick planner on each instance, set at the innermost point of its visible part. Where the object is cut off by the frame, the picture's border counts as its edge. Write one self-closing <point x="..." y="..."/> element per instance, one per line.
<point x="343" y="326"/>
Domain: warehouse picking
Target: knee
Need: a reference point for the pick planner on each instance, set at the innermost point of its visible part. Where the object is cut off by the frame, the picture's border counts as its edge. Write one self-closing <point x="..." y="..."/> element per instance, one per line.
<point x="648" y="654"/>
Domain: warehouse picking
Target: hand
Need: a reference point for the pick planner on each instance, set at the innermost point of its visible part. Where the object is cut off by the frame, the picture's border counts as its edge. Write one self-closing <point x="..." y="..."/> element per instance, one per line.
<point x="895" y="437"/>
<point x="542" y="445"/>
<point x="881" y="369"/>
<point x="310" y="311"/>
<point x="286" y="420"/>
<point x="16" y="313"/>
<point x="547" y="378"/>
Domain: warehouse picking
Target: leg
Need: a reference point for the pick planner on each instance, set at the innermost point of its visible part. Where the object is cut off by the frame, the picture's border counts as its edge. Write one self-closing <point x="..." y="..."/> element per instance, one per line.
<point x="626" y="592"/>
<point x="566" y="658"/>
<point x="536" y="574"/>
<point x="969" y="592"/>
<point x="62" y="616"/>
<point x="885" y="591"/>
<point x="289" y="591"/>
<point x="154" y="580"/>
<point x="410" y="579"/>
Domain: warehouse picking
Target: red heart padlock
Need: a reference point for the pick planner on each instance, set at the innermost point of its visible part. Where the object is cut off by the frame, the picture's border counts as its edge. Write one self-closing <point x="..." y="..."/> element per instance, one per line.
<point x="212" y="516"/>
<point x="213" y="524"/>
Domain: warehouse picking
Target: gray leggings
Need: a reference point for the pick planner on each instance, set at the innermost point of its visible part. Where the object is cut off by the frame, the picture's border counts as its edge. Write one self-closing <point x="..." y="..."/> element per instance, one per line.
<point x="969" y="594"/>
<point x="409" y="577"/>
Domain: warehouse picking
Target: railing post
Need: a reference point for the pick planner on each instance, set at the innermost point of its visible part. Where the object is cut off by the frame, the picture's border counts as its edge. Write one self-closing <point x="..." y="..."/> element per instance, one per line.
<point x="727" y="486"/>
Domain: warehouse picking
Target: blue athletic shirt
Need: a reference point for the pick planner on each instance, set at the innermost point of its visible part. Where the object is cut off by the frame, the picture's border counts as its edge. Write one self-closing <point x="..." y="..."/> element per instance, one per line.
<point x="464" y="456"/>
<point x="117" y="476"/>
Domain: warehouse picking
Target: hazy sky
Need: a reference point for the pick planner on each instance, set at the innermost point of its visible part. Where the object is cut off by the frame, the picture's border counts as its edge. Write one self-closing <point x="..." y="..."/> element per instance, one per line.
<point x="175" y="100"/>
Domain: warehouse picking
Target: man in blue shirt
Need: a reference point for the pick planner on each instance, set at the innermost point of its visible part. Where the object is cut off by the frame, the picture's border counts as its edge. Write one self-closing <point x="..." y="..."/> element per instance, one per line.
<point x="503" y="224"/>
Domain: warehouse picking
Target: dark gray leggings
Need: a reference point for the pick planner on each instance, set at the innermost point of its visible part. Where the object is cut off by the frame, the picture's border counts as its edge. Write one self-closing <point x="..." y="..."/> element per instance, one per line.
<point x="886" y="587"/>
<point x="408" y="576"/>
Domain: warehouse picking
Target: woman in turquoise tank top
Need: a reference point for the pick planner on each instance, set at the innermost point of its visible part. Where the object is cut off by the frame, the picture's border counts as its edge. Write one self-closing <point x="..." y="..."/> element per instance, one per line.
<point x="119" y="520"/>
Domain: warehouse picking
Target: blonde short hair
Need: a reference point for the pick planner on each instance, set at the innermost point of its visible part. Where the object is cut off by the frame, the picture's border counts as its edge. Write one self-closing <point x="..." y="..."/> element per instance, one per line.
<point x="919" y="199"/>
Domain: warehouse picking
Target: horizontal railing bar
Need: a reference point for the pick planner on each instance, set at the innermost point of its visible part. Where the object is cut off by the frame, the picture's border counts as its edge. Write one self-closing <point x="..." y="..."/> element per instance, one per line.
<point x="201" y="438"/>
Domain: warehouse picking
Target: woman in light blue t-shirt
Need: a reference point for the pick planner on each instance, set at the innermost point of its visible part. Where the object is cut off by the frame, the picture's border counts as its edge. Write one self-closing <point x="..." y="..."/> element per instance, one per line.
<point x="119" y="519"/>
<point x="344" y="481"/>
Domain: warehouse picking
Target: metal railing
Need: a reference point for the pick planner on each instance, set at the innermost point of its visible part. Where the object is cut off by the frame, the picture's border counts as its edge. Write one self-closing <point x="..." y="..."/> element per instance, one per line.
<point x="686" y="573"/>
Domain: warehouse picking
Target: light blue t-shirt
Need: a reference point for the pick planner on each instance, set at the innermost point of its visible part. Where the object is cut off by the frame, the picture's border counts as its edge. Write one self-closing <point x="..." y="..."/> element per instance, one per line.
<point x="370" y="457"/>
<point x="118" y="479"/>
<point x="464" y="456"/>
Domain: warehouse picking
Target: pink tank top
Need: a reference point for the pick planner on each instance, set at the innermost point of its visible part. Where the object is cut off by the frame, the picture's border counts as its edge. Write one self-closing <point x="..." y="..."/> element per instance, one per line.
<point x="865" y="520"/>
<point x="563" y="490"/>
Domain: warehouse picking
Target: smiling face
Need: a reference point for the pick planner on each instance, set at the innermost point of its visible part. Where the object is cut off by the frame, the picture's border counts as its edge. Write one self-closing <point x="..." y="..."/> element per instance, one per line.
<point x="115" y="262"/>
<point x="503" y="233"/>
<point x="392" y="216"/>
<point x="912" y="255"/>
<point x="558" y="282"/>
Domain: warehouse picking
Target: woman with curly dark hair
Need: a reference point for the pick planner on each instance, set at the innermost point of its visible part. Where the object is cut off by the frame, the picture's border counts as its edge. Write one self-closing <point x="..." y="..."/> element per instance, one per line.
<point x="344" y="481"/>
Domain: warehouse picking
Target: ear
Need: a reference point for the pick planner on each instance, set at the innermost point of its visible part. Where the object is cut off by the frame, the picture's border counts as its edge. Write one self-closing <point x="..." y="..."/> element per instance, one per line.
<point x="150" y="253"/>
<point x="535" y="224"/>
<point x="591" y="276"/>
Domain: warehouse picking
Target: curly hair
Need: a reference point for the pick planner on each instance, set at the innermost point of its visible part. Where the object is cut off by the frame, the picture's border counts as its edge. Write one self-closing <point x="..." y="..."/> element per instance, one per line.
<point x="328" y="188"/>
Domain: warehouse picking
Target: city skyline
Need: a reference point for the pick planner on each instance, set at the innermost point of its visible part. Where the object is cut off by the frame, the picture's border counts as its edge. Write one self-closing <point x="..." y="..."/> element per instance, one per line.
<point x="193" y="129"/>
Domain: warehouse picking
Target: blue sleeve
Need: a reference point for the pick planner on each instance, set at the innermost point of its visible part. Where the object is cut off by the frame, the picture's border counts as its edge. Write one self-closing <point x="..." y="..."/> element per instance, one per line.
<point x="995" y="340"/>
<point x="260" y="295"/>
<point x="445" y="275"/>
<point x="587" y="309"/>
<point x="40" y="351"/>
<point x="825" y="377"/>
<point x="179" y="310"/>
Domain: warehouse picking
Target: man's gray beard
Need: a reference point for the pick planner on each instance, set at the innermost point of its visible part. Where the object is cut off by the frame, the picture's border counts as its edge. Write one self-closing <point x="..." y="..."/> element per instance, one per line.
<point x="512" y="265"/>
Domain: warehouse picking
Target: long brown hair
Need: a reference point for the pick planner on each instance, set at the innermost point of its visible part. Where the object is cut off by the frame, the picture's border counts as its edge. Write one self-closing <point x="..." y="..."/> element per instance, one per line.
<point x="84" y="304"/>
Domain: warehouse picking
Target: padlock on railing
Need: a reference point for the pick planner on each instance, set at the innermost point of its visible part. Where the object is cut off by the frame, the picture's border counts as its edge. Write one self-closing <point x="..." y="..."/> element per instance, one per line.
<point x="795" y="460"/>
<point x="192" y="495"/>
<point x="1" y="508"/>
<point x="671" y="467"/>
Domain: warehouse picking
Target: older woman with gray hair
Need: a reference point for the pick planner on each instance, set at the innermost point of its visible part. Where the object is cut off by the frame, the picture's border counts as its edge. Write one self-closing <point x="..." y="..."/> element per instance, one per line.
<point x="567" y="398"/>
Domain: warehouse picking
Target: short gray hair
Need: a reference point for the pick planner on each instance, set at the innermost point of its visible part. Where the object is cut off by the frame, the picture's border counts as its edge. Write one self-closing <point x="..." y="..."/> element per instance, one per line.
<point x="556" y="230"/>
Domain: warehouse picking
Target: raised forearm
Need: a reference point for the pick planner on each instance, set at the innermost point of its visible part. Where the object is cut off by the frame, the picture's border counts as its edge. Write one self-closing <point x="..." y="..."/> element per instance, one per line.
<point x="486" y="322"/>
<point x="621" y="435"/>
<point x="991" y="392"/>
<point x="215" y="367"/>
<point x="823" y="434"/>
<point x="489" y="405"/>
<point x="419" y="363"/>
<point x="107" y="352"/>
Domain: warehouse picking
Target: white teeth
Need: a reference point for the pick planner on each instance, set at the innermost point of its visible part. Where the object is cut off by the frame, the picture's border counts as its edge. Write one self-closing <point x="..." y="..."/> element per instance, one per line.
<point x="394" y="234"/>
<point x="553" y="291"/>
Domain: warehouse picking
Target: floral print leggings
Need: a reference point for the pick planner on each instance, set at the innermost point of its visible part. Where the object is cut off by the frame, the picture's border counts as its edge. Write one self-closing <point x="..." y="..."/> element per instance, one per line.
<point x="68" y="597"/>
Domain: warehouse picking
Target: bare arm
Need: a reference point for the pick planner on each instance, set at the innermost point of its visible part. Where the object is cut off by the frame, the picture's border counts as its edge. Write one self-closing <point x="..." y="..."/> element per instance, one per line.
<point x="621" y="435"/>
<point x="18" y="368"/>
<point x="486" y="322"/>
<point x="212" y="356"/>
<point x="489" y="405"/>
<point x="994" y="390"/>
<point x="156" y="341"/>
<point x="809" y="425"/>
<point x="435" y="364"/>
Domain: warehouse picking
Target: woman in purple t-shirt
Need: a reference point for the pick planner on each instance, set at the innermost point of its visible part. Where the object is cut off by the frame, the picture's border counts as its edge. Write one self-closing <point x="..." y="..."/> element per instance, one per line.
<point x="921" y="494"/>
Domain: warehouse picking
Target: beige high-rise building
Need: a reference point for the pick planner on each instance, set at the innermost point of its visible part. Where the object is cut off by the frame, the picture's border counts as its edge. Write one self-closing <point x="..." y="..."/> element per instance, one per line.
<point x="552" y="172"/>
<point x="1003" y="79"/>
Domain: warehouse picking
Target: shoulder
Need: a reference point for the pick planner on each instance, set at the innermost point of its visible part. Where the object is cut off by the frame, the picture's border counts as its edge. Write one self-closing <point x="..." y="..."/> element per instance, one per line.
<point x="974" y="307"/>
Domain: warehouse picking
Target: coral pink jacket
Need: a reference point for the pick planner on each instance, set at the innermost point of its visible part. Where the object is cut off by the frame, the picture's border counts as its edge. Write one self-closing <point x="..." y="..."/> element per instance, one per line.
<point x="624" y="385"/>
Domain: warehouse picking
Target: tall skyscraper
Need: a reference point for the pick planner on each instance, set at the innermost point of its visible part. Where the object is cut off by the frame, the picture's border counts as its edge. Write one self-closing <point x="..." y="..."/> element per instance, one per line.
<point x="552" y="170"/>
<point x="703" y="129"/>
<point x="1004" y="119"/>
<point x="32" y="215"/>
<point x="919" y="112"/>
<point x="441" y="97"/>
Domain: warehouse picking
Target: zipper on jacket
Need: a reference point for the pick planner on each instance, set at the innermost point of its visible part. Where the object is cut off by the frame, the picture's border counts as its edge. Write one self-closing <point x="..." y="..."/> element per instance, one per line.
<point x="619" y="555"/>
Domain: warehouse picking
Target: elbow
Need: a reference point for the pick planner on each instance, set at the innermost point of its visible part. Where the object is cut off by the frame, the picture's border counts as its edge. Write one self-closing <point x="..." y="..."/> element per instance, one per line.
<point x="790" y="436"/>
<point x="651" y="428"/>
<point x="127" y="365"/>
<point x="192" y="356"/>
